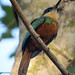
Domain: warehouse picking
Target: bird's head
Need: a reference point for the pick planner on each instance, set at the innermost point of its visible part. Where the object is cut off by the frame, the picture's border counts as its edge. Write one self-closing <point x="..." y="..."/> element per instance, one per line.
<point x="51" y="11"/>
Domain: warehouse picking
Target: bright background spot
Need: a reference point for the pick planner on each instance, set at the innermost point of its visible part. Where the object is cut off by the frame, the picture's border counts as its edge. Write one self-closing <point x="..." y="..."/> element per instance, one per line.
<point x="5" y="2"/>
<point x="8" y="45"/>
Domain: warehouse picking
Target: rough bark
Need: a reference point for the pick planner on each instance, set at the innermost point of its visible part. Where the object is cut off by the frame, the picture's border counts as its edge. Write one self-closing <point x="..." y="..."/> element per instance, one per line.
<point x="60" y="47"/>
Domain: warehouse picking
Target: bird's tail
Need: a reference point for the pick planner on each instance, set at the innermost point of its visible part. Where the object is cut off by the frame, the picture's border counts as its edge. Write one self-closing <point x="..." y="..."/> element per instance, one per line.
<point x="24" y="63"/>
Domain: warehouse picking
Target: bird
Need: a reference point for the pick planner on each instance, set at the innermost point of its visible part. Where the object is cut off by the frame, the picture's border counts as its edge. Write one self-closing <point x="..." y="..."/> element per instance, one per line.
<point x="46" y="26"/>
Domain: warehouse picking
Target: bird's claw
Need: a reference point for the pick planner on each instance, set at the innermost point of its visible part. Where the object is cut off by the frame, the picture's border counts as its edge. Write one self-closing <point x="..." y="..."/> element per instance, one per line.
<point x="48" y="49"/>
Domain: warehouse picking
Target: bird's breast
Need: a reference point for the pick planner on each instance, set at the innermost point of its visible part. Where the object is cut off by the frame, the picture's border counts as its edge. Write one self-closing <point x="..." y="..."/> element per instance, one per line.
<point x="47" y="31"/>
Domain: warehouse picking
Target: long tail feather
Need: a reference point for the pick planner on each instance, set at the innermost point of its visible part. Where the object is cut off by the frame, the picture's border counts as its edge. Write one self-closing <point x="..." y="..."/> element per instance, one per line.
<point x="24" y="63"/>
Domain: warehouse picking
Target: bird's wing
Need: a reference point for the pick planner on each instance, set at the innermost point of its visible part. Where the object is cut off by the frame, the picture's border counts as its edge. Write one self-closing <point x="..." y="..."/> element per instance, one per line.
<point x="35" y="24"/>
<point x="33" y="21"/>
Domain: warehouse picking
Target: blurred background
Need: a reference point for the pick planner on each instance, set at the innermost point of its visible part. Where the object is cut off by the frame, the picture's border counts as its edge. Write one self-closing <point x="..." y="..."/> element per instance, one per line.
<point x="9" y="34"/>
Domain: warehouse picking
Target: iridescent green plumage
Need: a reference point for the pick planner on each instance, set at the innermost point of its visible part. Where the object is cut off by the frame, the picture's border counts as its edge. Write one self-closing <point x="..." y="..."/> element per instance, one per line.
<point x="42" y="20"/>
<point x="46" y="26"/>
<point x="36" y="24"/>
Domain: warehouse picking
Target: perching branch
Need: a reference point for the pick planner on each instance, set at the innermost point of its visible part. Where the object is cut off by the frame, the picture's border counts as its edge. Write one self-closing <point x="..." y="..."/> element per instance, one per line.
<point x="38" y="39"/>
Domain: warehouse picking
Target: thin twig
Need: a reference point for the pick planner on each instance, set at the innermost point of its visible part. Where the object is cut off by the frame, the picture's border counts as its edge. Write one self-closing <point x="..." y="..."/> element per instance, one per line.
<point x="38" y="39"/>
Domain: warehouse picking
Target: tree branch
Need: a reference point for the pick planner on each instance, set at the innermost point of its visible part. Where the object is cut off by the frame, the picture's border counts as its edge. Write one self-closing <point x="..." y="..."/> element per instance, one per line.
<point x="38" y="39"/>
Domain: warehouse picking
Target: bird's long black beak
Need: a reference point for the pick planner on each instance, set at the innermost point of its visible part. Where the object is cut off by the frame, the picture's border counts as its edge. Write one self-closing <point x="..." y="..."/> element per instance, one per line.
<point x="55" y="7"/>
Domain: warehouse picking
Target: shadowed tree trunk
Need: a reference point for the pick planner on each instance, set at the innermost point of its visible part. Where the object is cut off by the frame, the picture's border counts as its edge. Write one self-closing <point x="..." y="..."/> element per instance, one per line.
<point x="41" y="64"/>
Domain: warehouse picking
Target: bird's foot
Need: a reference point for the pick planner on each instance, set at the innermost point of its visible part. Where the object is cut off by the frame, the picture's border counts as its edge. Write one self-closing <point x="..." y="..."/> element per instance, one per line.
<point x="48" y="49"/>
<point x="38" y="35"/>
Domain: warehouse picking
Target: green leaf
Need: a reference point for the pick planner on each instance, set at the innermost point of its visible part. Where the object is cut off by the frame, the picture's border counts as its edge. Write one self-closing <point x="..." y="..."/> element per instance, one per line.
<point x="13" y="54"/>
<point x="9" y="19"/>
<point x="7" y="34"/>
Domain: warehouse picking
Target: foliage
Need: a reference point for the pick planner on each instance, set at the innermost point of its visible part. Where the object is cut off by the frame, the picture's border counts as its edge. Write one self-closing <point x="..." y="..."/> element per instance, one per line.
<point x="9" y="21"/>
<point x="72" y="68"/>
<point x="13" y="54"/>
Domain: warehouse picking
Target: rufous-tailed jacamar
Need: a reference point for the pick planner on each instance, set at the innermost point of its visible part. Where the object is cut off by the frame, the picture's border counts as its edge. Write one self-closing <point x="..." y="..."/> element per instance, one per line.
<point x="46" y="26"/>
